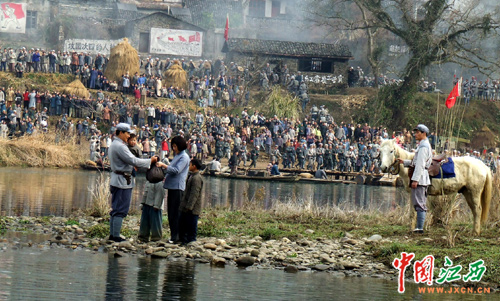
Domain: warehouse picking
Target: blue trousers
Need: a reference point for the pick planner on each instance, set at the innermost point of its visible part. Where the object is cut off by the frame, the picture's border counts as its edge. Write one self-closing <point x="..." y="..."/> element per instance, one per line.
<point x="188" y="227"/>
<point x="120" y="201"/>
<point x="120" y="204"/>
<point x="174" y="197"/>
<point x="151" y="222"/>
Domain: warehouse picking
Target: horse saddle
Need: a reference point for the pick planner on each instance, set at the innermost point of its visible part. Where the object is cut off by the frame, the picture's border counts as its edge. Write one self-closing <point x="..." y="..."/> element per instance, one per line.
<point x="437" y="162"/>
<point x="442" y="167"/>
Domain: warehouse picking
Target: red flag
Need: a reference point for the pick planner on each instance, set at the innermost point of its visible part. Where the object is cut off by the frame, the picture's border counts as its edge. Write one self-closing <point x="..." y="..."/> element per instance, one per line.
<point x="181" y="38"/>
<point x="226" y="30"/>
<point x="198" y="37"/>
<point x="192" y="38"/>
<point x="170" y="39"/>
<point x="452" y="98"/>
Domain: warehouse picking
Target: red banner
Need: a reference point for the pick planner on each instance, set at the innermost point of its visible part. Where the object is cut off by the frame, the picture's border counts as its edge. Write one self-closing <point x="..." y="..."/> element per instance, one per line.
<point x="454" y="94"/>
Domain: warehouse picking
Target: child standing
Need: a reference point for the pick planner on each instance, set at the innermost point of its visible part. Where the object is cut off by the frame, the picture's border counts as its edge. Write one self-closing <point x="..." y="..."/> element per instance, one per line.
<point x="151" y="217"/>
<point x="190" y="206"/>
<point x="152" y="201"/>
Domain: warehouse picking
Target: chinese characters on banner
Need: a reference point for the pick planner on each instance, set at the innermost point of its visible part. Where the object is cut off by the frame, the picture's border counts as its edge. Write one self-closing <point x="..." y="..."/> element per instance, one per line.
<point x="12" y="17"/>
<point x="91" y="46"/>
<point x="423" y="270"/>
<point x="176" y="42"/>
<point x="396" y="50"/>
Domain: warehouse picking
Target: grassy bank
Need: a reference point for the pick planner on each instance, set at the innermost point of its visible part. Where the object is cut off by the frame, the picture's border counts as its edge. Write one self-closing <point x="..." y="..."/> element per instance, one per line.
<point x="454" y="240"/>
<point x="42" y="150"/>
<point x="297" y="221"/>
<point x="302" y="221"/>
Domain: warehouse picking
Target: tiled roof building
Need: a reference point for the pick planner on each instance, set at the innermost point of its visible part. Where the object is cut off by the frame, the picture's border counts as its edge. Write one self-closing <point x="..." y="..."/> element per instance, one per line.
<point x="287" y="49"/>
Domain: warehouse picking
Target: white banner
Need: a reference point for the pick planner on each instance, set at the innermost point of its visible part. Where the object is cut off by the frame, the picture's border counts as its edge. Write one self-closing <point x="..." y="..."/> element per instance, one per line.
<point x="91" y="46"/>
<point x="12" y="17"/>
<point x="176" y="42"/>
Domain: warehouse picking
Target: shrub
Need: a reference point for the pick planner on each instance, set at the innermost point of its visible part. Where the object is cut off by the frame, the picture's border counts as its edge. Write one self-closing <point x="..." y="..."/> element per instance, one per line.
<point x="98" y="231"/>
<point x="100" y="196"/>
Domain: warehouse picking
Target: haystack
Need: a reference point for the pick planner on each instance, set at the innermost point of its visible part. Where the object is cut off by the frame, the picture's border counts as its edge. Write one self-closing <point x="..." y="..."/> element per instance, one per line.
<point x="123" y="59"/>
<point x="484" y="139"/>
<point x="175" y="76"/>
<point x="76" y="88"/>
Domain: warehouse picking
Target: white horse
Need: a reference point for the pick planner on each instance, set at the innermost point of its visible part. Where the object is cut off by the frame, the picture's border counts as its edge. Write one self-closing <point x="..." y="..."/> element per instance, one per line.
<point x="473" y="180"/>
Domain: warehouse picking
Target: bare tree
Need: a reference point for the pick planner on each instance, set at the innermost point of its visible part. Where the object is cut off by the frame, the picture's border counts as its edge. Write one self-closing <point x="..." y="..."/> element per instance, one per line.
<point x="435" y="32"/>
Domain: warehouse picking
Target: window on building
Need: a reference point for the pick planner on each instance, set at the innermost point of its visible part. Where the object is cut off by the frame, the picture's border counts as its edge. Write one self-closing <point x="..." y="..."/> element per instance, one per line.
<point x="315" y="65"/>
<point x="257" y="8"/>
<point x="31" y="18"/>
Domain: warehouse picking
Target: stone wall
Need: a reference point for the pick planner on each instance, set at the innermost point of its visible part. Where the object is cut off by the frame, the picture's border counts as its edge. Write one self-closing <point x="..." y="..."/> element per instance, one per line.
<point x="89" y="9"/>
<point x="33" y="38"/>
<point x="91" y="19"/>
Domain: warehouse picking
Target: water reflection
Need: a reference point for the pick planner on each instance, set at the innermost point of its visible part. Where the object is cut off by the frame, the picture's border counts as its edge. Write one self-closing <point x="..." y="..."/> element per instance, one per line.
<point x="61" y="274"/>
<point x="116" y="277"/>
<point x="179" y="282"/>
<point x="62" y="191"/>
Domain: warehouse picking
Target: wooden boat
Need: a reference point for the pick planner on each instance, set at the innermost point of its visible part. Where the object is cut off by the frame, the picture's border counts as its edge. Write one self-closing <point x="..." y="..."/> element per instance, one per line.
<point x="95" y="167"/>
<point x="254" y="178"/>
<point x="106" y="168"/>
<point x="319" y="181"/>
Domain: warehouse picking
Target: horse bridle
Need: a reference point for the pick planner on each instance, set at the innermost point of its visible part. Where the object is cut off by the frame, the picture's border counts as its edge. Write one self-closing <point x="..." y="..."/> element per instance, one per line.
<point x="395" y="167"/>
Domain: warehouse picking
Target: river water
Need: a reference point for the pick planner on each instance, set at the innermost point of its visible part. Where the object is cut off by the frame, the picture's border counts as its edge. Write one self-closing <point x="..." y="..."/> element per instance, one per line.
<point x="59" y="192"/>
<point x="62" y="274"/>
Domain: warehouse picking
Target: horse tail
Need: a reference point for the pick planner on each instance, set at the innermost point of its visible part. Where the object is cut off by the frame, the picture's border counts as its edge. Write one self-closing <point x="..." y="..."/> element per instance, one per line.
<point x="486" y="197"/>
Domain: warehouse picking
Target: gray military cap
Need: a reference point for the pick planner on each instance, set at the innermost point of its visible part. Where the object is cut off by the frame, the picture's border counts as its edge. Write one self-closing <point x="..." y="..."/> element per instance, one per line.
<point x="123" y="127"/>
<point x="422" y="128"/>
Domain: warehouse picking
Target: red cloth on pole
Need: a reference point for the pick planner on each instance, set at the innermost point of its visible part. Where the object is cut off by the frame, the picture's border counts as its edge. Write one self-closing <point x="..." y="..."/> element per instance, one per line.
<point x="226" y="30"/>
<point x="452" y="98"/>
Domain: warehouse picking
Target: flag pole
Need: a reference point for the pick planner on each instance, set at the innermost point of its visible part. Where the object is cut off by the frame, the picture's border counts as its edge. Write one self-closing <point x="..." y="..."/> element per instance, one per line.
<point x="437" y="121"/>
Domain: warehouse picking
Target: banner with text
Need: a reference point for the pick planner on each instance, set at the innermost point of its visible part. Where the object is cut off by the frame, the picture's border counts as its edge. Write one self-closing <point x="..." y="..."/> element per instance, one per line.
<point x="176" y="42"/>
<point x="12" y="17"/>
<point x="91" y="46"/>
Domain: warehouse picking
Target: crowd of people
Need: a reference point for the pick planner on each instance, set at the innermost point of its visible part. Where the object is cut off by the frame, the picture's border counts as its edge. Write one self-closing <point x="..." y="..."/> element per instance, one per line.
<point x="315" y="142"/>
<point x="481" y="90"/>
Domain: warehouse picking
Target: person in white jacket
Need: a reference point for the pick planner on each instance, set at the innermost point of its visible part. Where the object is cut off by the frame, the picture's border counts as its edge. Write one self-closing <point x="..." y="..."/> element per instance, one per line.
<point x="420" y="181"/>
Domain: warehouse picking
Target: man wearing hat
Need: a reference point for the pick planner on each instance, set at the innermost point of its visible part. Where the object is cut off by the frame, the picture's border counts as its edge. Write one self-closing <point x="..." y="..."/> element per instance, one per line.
<point x="419" y="178"/>
<point x="122" y="163"/>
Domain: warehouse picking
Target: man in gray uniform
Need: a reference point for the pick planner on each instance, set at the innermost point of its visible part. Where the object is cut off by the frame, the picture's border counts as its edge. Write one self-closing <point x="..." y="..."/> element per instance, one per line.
<point x="122" y="163"/>
<point x="420" y="181"/>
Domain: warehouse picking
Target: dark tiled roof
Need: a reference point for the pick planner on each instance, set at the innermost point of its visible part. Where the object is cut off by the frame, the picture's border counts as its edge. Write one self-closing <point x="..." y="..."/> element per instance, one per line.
<point x="285" y="48"/>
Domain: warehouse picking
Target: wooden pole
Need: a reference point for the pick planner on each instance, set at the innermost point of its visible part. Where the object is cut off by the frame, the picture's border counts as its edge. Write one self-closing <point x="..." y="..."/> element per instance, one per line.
<point x="437" y="122"/>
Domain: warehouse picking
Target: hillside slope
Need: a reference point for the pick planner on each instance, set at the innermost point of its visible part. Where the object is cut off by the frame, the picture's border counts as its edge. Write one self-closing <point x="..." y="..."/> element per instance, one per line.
<point x="352" y="105"/>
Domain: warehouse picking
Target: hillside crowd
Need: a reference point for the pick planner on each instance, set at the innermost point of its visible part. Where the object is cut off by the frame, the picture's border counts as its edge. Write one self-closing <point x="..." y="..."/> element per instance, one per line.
<point x="315" y="142"/>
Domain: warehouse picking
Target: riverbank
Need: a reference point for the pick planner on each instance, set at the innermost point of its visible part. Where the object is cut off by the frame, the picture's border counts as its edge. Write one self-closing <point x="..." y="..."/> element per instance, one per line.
<point x="42" y="150"/>
<point x="288" y="237"/>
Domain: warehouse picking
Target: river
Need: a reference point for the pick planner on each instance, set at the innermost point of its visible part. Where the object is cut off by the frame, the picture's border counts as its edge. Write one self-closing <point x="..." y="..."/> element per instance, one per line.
<point x="59" y="192"/>
<point x="57" y="273"/>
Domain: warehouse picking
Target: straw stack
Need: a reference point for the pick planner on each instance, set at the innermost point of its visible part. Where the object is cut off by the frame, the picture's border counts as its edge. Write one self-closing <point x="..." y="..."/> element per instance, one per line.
<point x="123" y="59"/>
<point x="176" y="76"/>
<point x="76" y="88"/>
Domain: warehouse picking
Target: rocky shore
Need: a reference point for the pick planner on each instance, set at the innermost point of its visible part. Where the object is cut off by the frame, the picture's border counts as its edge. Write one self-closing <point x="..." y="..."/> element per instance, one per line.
<point x="347" y="256"/>
<point x="342" y="257"/>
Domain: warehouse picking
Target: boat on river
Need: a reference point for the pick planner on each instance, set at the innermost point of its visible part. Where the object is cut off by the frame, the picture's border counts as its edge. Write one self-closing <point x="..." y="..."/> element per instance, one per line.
<point x="88" y="166"/>
<point x="291" y="175"/>
<point x="284" y="178"/>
